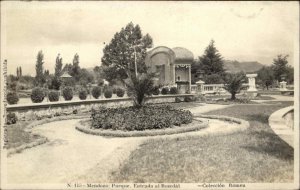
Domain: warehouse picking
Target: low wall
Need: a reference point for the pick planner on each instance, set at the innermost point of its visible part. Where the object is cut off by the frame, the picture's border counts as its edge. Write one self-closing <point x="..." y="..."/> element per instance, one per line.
<point x="282" y="122"/>
<point x="48" y="109"/>
<point x="289" y="118"/>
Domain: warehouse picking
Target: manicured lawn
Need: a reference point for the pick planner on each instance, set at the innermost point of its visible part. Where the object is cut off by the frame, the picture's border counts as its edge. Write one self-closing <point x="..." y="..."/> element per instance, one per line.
<point x="254" y="155"/>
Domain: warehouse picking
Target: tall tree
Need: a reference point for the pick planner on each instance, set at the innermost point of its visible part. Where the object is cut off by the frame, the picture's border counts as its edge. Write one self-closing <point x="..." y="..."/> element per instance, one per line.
<point x="20" y="71"/>
<point x="280" y="66"/>
<point x="76" y="69"/>
<point x="56" y="81"/>
<point x="212" y="61"/>
<point x="39" y="69"/>
<point x="290" y="75"/>
<point x="265" y="76"/>
<point x="58" y="66"/>
<point x="129" y="46"/>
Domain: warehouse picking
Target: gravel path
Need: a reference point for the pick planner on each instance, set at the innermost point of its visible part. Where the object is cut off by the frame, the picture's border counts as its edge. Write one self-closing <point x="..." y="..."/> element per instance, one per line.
<point x="71" y="155"/>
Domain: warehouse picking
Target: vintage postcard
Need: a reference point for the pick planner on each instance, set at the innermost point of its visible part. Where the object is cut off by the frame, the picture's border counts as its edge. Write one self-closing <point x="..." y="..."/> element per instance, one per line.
<point x="149" y="95"/>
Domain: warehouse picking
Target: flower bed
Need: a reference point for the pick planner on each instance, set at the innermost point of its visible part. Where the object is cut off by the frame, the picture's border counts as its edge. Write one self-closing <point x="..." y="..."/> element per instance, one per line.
<point x="85" y="127"/>
<point x="139" y="119"/>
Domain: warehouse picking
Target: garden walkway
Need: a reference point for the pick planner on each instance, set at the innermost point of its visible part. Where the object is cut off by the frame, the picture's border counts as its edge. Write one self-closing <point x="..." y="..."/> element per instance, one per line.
<point x="71" y="155"/>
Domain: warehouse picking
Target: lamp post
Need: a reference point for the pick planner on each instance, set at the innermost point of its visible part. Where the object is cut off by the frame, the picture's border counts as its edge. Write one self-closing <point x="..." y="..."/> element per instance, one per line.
<point x="134" y="51"/>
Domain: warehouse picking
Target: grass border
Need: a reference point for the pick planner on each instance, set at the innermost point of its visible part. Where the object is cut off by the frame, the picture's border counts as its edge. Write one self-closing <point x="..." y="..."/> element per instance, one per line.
<point x="156" y="132"/>
<point x="19" y="149"/>
<point x="242" y="122"/>
<point x="168" y="131"/>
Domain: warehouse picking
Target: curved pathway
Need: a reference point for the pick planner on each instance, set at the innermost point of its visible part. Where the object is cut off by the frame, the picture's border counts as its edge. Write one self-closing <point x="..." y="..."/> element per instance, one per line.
<point x="71" y="155"/>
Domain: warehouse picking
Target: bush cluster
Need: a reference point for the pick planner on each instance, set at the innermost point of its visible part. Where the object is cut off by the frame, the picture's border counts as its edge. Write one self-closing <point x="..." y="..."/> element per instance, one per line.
<point x="53" y="96"/>
<point x="37" y="95"/>
<point x="67" y="93"/>
<point x="143" y="118"/>
<point x="12" y="98"/>
<point x="96" y="92"/>
<point x="11" y="118"/>
<point x="189" y="99"/>
<point x="155" y="91"/>
<point x="173" y="90"/>
<point x="120" y="92"/>
<point x="108" y="92"/>
<point x="82" y="94"/>
<point x="165" y="90"/>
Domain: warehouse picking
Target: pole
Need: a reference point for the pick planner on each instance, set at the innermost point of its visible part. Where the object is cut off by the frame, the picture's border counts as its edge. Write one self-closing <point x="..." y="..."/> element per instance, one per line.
<point x="135" y="66"/>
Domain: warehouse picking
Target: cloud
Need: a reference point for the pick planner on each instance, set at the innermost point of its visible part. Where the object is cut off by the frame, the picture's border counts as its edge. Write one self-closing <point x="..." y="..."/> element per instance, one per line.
<point x="250" y="31"/>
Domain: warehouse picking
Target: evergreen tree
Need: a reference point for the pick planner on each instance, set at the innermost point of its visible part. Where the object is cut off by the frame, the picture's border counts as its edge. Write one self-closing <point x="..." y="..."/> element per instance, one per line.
<point x="56" y="81"/>
<point x="58" y="66"/>
<point x="212" y="62"/>
<point x="280" y="66"/>
<point x="39" y="69"/>
<point x="127" y="47"/>
<point x="20" y="71"/>
<point x="75" y="68"/>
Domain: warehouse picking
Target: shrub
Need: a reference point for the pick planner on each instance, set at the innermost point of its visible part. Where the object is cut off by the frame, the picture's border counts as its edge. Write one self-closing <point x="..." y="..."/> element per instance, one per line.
<point x="142" y="118"/>
<point x="12" y="98"/>
<point x="155" y="91"/>
<point x="177" y="100"/>
<point x="200" y="98"/>
<point x="37" y="95"/>
<point x="11" y="118"/>
<point x="67" y="93"/>
<point x="120" y="92"/>
<point x="53" y="96"/>
<point x="189" y="99"/>
<point x="82" y="94"/>
<point x="165" y="90"/>
<point x="234" y="84"/>
<point x="139" y="87"/>
<point x="96" y="92"/>
<point x="107" y="92"/>
<point x="100" y="82"/>
<point x="75" y="111"/>
<point x="173" y="90"/>
<point x="114" y="90"/>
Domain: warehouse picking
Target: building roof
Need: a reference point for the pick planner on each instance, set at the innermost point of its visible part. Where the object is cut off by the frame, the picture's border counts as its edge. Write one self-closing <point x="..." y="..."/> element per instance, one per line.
<point x="183" y="54"/>
<point x="65" y="75"/>
<point x="200" y="82"/>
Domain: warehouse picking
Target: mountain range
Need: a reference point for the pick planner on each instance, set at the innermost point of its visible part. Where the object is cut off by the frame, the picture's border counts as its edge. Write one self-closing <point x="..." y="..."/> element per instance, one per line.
<point x="233" y="66"/>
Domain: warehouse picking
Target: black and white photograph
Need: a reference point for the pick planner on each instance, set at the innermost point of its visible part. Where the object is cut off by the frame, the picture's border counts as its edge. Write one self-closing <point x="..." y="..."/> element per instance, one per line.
<point x="149" y="95"/>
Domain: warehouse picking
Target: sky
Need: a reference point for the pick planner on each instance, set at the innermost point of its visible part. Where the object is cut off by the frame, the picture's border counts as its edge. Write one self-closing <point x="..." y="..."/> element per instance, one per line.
<point x="242" y="31"/>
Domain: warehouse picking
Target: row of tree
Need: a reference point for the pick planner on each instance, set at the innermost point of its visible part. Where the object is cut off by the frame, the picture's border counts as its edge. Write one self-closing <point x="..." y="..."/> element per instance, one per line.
<point x="53" y="81"/>
<point x="128" y="49"/>
<point x="211" y="64"/>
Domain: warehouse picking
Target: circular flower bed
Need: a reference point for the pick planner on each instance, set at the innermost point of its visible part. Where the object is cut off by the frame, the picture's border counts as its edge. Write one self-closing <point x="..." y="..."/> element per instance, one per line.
<point x="139" y="119"/>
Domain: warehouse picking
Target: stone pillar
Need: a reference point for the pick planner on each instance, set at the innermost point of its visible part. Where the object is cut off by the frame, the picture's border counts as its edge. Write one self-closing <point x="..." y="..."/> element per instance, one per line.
<point x="251" y="79"/>
<point x="283" y="86"/>
<point x="200" y="87"/>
